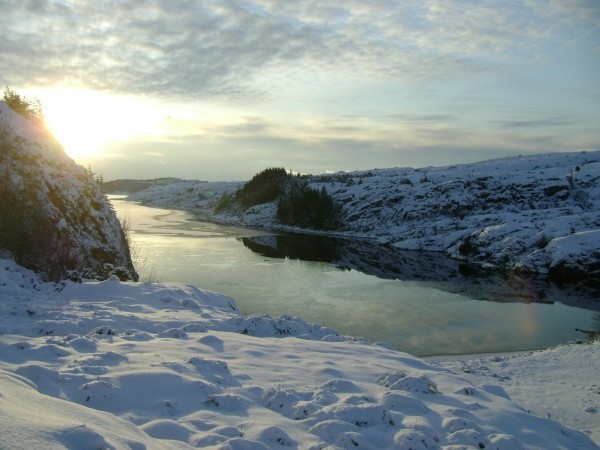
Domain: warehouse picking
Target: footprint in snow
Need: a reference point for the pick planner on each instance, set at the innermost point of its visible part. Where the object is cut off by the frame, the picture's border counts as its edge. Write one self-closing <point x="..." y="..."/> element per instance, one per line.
<point x="137" y="335"/>
<point x="272" y="436"/>
<point x="46" y="380"/>
<point x="194" y="328"/>
<point x="23" y="345"/>
<point x="284" y="402"/>
<point x="212" y="341"/>
<point x="364" y="415"/>
<point x="227" y="402"/>
<point x="339" y="385"/>
<point x="342" y="434"/>
<point x="99" y="363"/>
<point x="48" y="352"/>
<point x="400" y="381"/>
<point x="415" y="440"/>
<point x="469" y="437"/>
<point x="172" y="333"/>
<point x="94" y="392"/>
<point x="167" y="429"/>
<point x="73" y="437"/>
<point x="405" y="403"/>
<point x="217" y="435"/>
<point x="83" y="344"/>
<point x="103" y="331"/>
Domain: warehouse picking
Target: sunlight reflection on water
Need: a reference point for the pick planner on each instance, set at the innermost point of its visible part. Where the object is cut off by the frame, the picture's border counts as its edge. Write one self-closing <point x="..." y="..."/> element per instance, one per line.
<point x="413" y="316"/>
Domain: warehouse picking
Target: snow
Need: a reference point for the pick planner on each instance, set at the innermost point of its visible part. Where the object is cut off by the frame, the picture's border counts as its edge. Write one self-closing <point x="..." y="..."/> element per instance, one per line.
<point x="515" y="211"/>
<point x="561" y="383"/>
<point x="69" y="222"/>
<point x="109" y="364"/>
<point x="567" y="249"/>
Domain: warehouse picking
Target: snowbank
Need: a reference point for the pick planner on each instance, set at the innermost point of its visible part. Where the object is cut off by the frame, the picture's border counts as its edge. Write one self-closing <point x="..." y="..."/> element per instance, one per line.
<point x="126" y="365"/>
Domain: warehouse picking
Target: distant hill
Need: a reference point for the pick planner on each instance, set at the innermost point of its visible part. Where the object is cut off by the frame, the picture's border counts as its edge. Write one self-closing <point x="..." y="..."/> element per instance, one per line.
<point x="53" y="216"/>
<point x="127" y="186"/>
<point x="535" y="213"/>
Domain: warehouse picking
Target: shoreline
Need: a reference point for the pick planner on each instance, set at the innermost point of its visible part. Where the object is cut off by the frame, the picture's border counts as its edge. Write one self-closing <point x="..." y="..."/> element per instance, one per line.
<point x="461" y="356"/>
<point x="185" y="356"/>
<point x="559" y="382"/>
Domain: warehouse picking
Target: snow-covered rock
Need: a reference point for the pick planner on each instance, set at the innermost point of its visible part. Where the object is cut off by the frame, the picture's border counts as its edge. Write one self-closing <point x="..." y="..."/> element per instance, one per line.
<point x="526" y="213"/>
<point x="53" y="216"/>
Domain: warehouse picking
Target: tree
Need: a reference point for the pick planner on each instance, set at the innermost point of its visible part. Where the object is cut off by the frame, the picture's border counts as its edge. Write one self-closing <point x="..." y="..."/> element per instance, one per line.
<point x="264" y="187"/>
<point x="30" y="109"/>
<point x="305" y="207"/>
<point x="298" y="204"/>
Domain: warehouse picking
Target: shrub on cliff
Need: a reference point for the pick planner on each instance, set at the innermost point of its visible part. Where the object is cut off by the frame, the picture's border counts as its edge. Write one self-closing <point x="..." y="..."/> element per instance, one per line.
<point x="30" y="109"/>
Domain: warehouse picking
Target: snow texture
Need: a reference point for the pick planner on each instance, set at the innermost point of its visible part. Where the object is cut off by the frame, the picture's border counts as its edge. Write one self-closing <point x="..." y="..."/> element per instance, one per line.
<point x="110" y="364"/>
<point x="535" y="213"/>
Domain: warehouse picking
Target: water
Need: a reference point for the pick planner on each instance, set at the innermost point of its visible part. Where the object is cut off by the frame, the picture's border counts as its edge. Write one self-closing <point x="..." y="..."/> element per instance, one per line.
<point x="421" y="303"/>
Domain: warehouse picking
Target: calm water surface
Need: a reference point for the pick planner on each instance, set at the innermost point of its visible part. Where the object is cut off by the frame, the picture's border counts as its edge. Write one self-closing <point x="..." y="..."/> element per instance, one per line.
<point x="421" y="303"/>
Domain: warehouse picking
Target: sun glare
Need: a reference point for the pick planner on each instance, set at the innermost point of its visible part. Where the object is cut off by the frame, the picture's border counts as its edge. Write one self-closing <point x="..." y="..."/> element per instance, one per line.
<point x="87" y="122"/>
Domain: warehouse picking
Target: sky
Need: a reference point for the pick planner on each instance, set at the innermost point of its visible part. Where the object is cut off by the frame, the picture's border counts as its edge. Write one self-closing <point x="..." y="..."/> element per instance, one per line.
<point x="220" y="90"/>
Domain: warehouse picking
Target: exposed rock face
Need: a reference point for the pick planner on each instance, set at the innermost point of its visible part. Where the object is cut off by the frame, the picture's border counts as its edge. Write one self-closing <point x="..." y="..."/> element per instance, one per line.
<point x="53" y="216"/>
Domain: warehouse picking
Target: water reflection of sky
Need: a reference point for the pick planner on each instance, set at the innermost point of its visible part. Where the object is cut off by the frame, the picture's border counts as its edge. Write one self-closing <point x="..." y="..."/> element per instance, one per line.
<point x="413" y="316"/>
<point x="423" y="320"/>
<point x="166" y="222"/>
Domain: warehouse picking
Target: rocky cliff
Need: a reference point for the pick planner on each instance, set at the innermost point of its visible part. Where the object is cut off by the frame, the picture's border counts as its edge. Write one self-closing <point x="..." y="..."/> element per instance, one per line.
<point x="53" y="217"/>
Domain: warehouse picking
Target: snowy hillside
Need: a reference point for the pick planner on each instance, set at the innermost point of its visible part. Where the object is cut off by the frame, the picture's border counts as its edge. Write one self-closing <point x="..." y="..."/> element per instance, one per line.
<point x="53" y="217"/>
<point x="536" y="213"/>
<point x="131" y="365"/>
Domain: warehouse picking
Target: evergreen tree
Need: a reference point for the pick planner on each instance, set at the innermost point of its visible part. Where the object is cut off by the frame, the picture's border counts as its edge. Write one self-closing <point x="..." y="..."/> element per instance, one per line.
<point x="30" y="109"/>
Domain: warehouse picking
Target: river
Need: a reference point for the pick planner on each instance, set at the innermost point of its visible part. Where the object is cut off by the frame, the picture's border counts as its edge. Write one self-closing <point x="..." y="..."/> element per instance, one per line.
<point x="421" y="303"/>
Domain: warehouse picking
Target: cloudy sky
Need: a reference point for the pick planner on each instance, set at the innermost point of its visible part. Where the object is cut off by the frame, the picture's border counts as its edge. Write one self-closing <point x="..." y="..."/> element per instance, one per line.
<point x="220" y="90"/>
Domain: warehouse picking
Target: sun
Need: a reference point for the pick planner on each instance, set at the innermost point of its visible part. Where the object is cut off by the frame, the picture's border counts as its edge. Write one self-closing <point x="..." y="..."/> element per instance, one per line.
<point x="86" y="122"/>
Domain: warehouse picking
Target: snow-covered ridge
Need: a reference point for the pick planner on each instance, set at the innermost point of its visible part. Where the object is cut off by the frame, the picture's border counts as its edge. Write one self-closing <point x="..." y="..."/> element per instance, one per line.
<point x="53" y="216"/>
<point x="538" y="213"/>
<point x="131" y="365"/>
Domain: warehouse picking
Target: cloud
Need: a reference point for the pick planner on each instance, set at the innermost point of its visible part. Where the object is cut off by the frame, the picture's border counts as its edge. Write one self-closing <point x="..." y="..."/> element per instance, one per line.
<point x="317" y="85"/>
<point x="424" y="118"/>
<point x="238" y="150"/>
<point x="241" y="50"/>
<point x="536" y="123"/>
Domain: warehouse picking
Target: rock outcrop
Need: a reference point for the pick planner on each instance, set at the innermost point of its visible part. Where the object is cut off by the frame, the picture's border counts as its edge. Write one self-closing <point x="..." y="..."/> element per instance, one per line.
<point x="53" y="216"/>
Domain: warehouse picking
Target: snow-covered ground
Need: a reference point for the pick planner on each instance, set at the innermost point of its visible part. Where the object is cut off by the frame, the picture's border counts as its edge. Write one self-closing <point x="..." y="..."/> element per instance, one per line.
<point x="133" y="365"/>
<point x="538" y="213"/>
<point x="561" y="383"/>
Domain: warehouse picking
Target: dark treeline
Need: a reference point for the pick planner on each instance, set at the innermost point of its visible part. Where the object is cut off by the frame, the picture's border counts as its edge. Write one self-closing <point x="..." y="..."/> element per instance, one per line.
<point x="305" y="207"/>
<point x="298" y="204"/>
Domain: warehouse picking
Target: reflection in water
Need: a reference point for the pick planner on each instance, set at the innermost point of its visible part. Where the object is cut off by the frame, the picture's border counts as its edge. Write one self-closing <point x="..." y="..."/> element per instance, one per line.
<point x="434" y="269"/>
<point x="596" y="321"/>
<point x="421" y="303"/>
<point x="592" y="333"/>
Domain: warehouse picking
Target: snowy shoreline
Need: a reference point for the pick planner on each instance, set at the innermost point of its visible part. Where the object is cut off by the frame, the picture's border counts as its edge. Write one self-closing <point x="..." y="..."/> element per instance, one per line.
<point x="559" y="382"/>
<point x="110" y="364"/>
<point x="534" y="214"/>
<point x="135" y="365"/>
